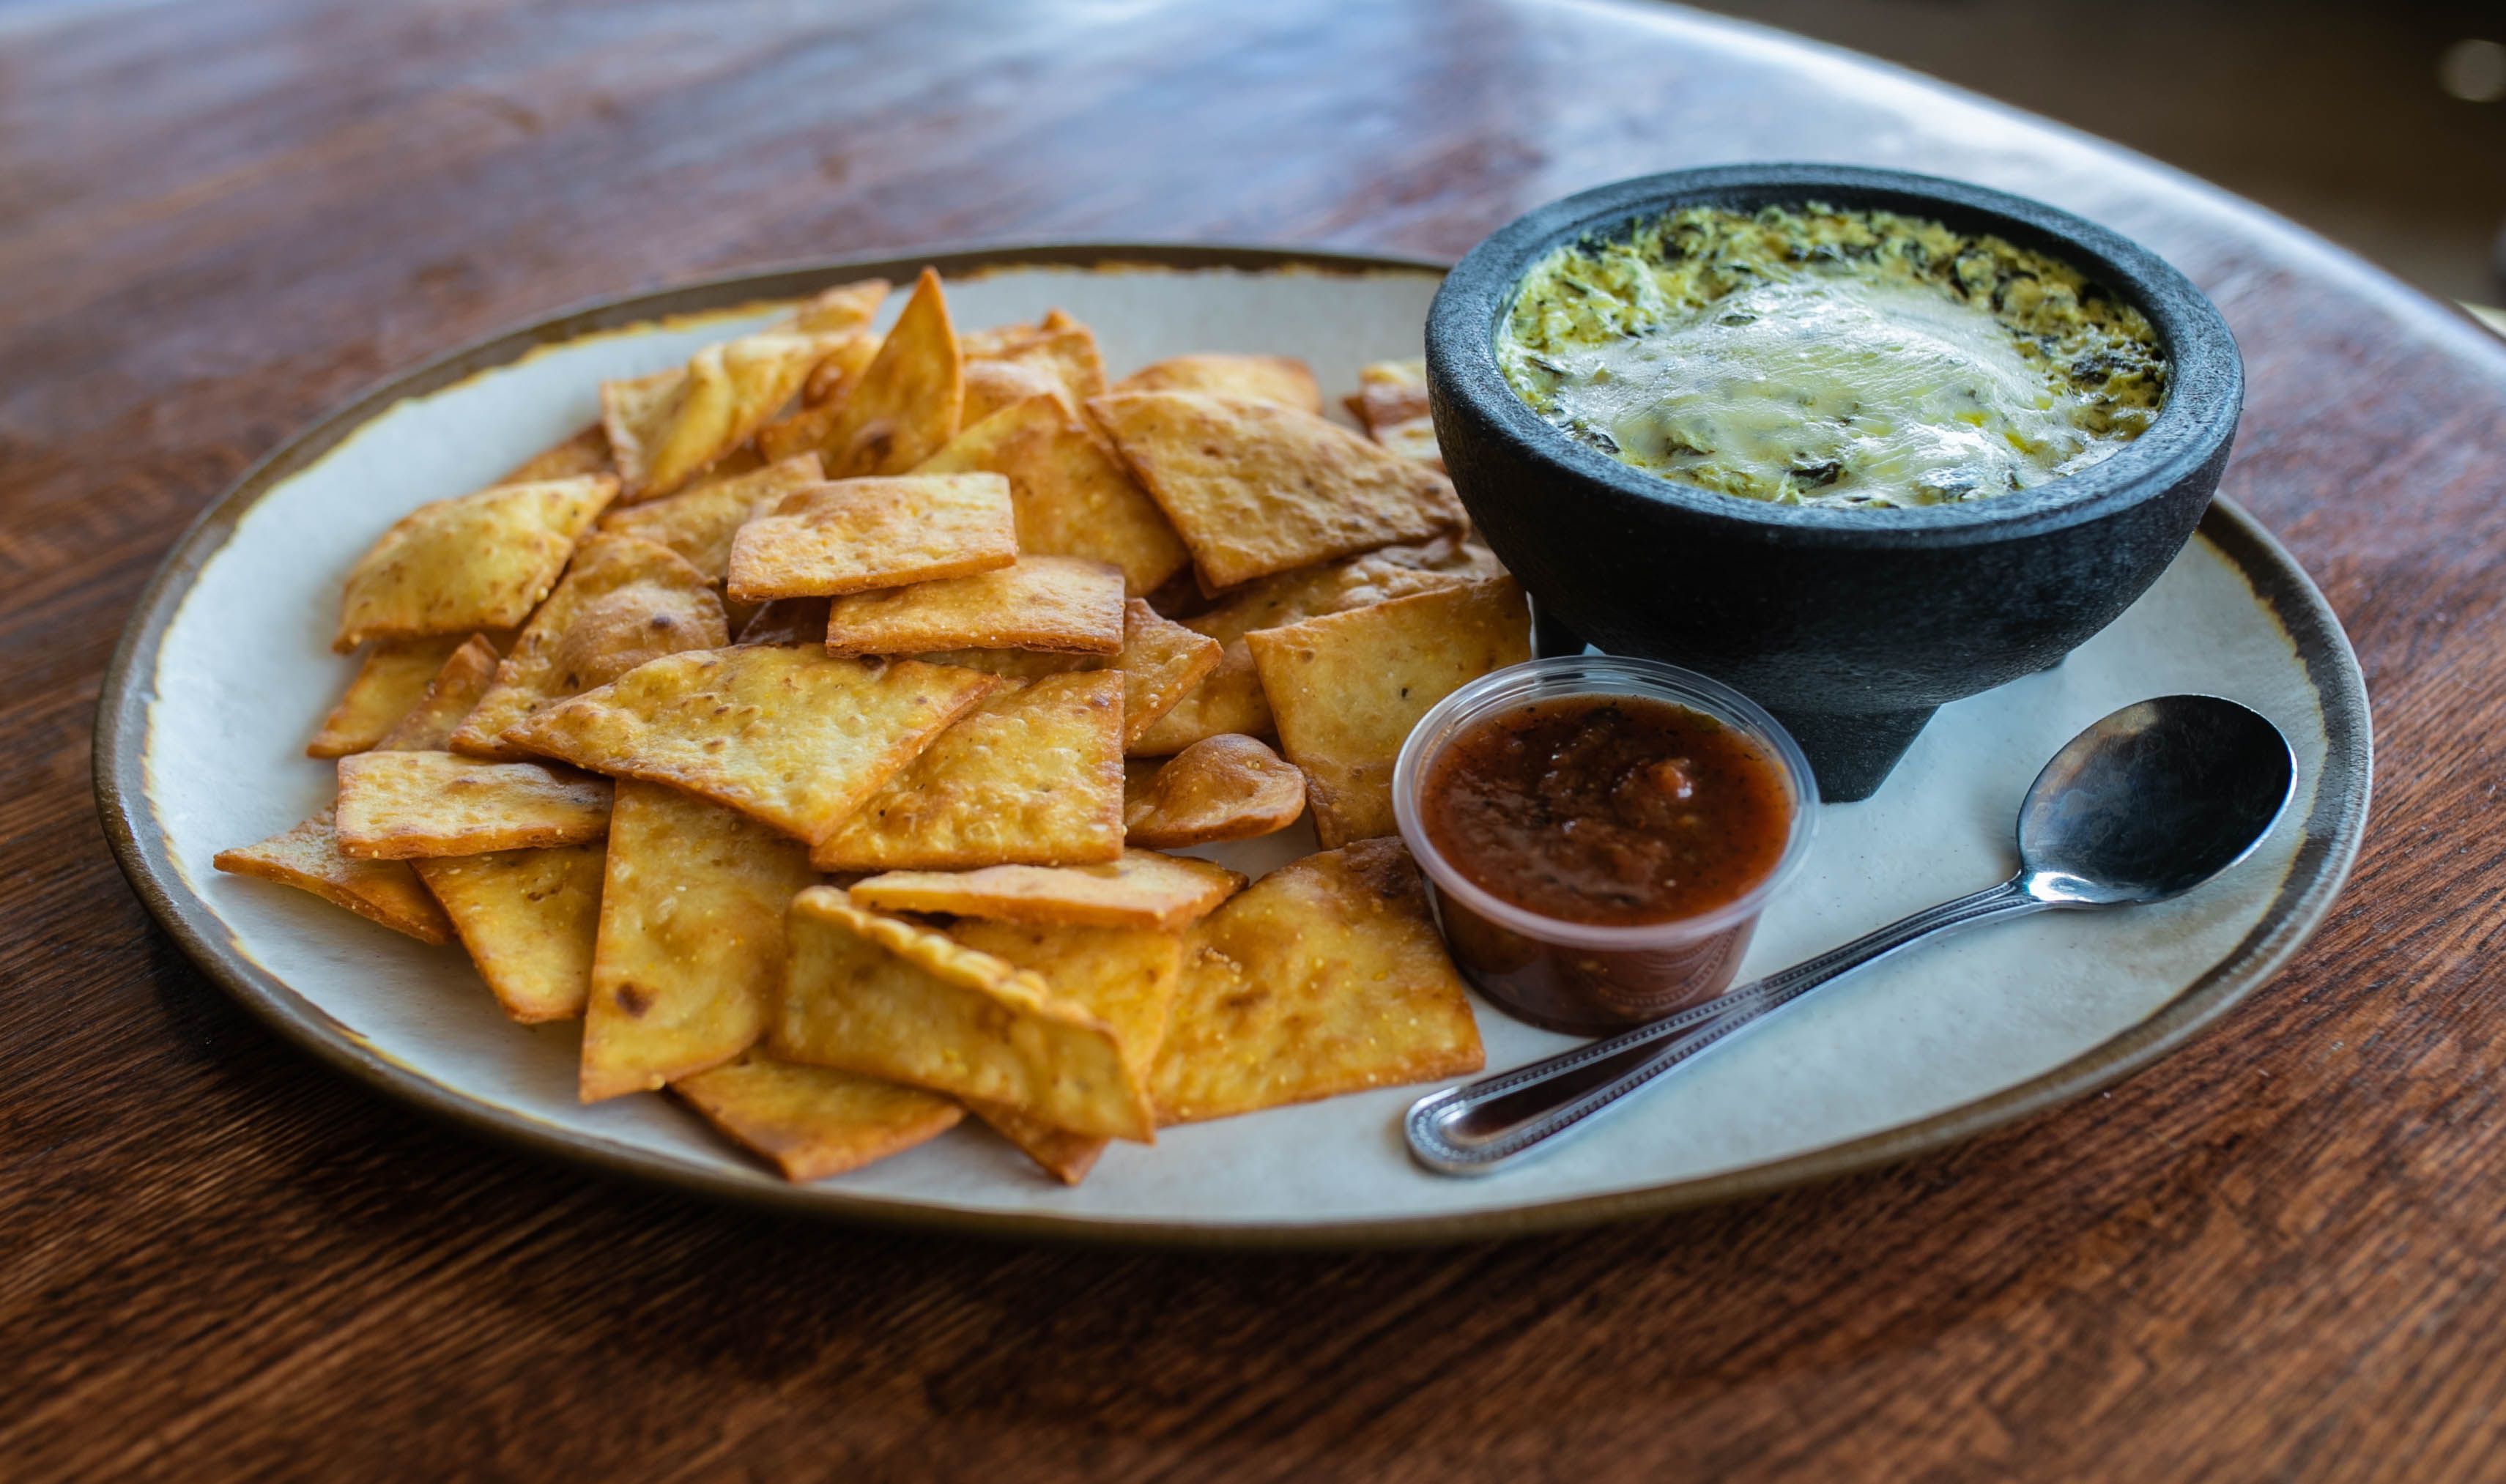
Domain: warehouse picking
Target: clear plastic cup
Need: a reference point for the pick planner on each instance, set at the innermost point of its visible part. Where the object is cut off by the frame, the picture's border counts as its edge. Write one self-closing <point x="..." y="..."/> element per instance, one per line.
<point x="1590" y="978"/>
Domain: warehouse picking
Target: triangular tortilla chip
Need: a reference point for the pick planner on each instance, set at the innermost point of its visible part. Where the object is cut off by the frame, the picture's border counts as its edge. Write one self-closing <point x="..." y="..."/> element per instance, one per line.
<point x="454" y="691"/>
<point x="838" y="371"/>
<point x="308" y="858"/>
<point x="796" y="737"/>
<point x="853" y="534"/>
<point x="1125" y="976"/>
<point x="666" y="428"/>
<point x="1222" y="788"/>
<point x="1347" y="688"/>
<point x="1060" y="603"/>
<point x="481" y="562"/>
<point x="698" y="523"/>
<point x="843" y="309"/>
<point x="528" y="919"/>
<point x="991" y="385"/>
<point x="1230" y="699"/>
<point x="1280" y="380"/>
<point x="691" y="945"/>
<point x="1033" y="776"/>
<point x="906" y="405"/>
<point x="1073" y="496"/>
<point x="586" y="452"/>
<point x="1001" y="340"/>
<point x="1141" y="890"/>
<point x="393" y="675"/>
<point x="1391" y="400"/>
<point x="1255" y="488"/>
<point x="1323" y="977"/>
<point x="624" y="602"/>
<point x="1065" y="361"/>
<point x="883" y="997"/>
<point x="396" y="806"/>
<point x="813" y="1121"/>
<point x="1160" y="662"/>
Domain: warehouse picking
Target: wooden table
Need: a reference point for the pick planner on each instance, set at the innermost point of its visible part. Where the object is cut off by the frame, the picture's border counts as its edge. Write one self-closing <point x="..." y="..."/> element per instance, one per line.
<point x="2278" y="1255"/>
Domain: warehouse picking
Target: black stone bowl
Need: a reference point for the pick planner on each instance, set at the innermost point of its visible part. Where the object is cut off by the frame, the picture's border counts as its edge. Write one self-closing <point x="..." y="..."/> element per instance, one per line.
<point x="1851" y="625"/>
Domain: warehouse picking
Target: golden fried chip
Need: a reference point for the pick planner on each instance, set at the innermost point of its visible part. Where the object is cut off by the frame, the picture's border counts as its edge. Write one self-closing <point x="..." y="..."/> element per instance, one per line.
<point x="1222" y="788"/>
<point x="905" y="405"/>
<point x="1066" y="352"/>
<point x="625" y="601"/>
<point x="698" y="523"/>
<point x="690" y="946"/>
<point x="393" y="676"/>
<point x="1255" y="488"/>
<point x="1391" y="400"/>
<point x="1073" y="496"/>
<point x="1141" y="890"/>
<point x="666" y="428"/>
<point x="474" y="562"/>
<point x="1323" y="977"/>
<point x="813" y="1121"/>
<point x="586" y="452"/>
<point x="1033" y="777"/>
<point x="787" y="621"/>
<point x="528" y="919"/>
<point x="1161" y="662"/>
<point x="1000" y="339"/>
<point x="1064" y="1155"/>
<point x="843" y="309"/>
<point x="1283" y="380"/>
<point x="853" y="534"/>
<point x="308" y="858"/>
<point x="450" y="696"/>
<point x="1346" y="688"/>
<point x="397" y="806"/>
<point x="796" y="737"/>
<point x="884" y="998"/>
<point x="1230" y="699"/>
<point x="991" y="385"/>
<point x="1061" y="603"/>
<point x="839" y="370"/>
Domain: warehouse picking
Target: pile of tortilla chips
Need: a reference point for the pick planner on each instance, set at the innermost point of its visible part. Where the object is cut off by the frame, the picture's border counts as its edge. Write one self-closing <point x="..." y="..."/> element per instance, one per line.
<point x="814" y="728"/>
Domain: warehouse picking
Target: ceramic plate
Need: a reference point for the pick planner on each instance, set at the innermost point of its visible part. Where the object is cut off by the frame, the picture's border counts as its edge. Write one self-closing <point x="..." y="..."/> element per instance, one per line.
<point x="225" y="670"/>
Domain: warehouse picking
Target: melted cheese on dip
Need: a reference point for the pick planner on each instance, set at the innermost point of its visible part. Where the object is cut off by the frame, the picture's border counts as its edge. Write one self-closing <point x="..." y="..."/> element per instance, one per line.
<point x="1827" y="358"/>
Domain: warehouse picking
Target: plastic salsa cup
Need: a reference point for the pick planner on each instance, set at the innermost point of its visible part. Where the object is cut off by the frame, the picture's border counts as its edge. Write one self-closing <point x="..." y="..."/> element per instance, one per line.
<point x="1590" y="978"/>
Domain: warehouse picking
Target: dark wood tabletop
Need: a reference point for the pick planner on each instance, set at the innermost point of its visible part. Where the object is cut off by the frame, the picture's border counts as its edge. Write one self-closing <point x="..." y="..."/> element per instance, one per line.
<point x="2279" y="1255"/>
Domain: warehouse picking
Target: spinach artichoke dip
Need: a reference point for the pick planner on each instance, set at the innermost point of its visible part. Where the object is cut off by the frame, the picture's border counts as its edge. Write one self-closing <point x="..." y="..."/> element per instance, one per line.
<point x="1812" y="356"/>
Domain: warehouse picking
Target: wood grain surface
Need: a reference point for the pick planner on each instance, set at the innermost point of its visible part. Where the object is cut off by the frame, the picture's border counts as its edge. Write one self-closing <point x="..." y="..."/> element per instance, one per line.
<point x="2276" y="1256"/>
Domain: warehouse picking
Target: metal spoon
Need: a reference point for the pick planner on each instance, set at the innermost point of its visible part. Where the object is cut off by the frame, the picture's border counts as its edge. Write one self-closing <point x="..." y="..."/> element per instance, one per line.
<point x="2150" y="802"/>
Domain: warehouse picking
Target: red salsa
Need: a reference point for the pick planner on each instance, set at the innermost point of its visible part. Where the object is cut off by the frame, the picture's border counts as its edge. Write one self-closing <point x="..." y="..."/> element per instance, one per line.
<point x="1608" y="809"/>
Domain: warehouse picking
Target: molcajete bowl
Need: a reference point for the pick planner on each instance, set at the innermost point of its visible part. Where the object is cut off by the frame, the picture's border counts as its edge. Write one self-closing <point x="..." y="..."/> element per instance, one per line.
<point x="1852" y="625"/>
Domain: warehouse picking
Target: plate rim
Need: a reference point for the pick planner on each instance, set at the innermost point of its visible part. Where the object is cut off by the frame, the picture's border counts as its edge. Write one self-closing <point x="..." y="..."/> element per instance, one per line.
<point x="2334" y="828"/>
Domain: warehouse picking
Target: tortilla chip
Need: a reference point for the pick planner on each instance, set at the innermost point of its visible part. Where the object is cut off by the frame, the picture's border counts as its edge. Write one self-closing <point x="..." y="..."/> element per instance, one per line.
<point x="625" y="601"/>
<point x="796" y="737"/>
<point x="1255" y="488"/>
<point x="1281" y="380"/>
<point x="853" y="534"/>
<point x="787" y="621"/>
<point x="474" y="562"/>
<point x="1033" y="777"/>
<point x="1222" y="788"/>
<point x="397" y="806"/>
<point x="843" y="309"/>
<point x="528" y="919"/>
<point x="586" y="452"/>
<point x="1391" y="400"/>
<point x="691" y="945"/>
<point x="906" y="405"/>
<point x="991" y="385"/>
<point x="1160" y="662"/>
<point x="810" y="1121"/>
<point x="1060" y="603"/>
<point x="308" y="858"/>
<point x="1125" y="976"/>
<point x="1066" y="353"/>
<point x="1072" y="495"/>
<point x="1230" y="699"/>
<point x="1347" y="688"/>
<point x="841" y="370"/>
<point x="666" y="428"/>
<point x="698" y="523"/>
<point x="1141" y="890"/>
<point x="390" y="680"/>
<point x="1323" y="977"/>
<point x="884" y="998"/>
<point x="1064" y="1155"/>
<point x="450" y="696"/>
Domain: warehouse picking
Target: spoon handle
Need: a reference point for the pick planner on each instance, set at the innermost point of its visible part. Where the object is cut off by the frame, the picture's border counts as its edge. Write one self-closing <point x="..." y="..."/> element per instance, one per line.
<point x="1480" y="1127"/>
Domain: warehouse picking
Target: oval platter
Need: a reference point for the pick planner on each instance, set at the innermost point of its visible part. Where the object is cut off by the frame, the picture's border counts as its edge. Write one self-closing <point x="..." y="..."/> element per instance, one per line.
<point x="224" y="670"/>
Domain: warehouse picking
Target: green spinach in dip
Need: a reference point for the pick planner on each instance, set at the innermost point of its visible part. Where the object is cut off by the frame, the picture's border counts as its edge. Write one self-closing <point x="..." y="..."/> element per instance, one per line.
<point x="1812" y="356"/>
